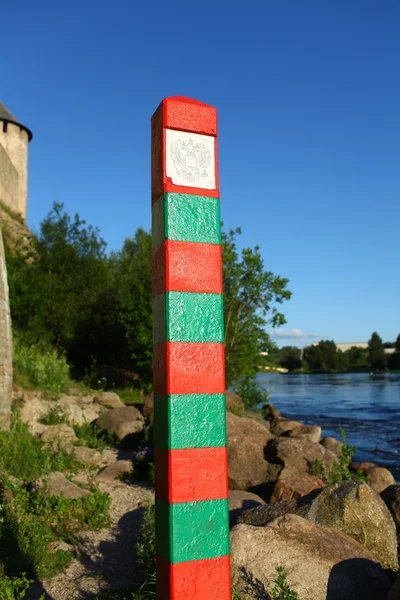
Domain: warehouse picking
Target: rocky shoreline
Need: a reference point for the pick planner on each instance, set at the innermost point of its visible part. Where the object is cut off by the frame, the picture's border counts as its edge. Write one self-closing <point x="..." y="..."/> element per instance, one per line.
<point x="296" y="501"/>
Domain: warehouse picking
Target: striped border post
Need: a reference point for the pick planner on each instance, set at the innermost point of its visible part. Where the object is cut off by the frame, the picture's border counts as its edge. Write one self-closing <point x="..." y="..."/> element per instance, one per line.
<point x="192" y="532"/>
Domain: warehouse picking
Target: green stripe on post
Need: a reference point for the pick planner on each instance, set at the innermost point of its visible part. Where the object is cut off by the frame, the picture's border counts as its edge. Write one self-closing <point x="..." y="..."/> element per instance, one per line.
<point x="186" y="218"/>
<point x="192" y="530"/>
<point x="188" y="317"/>
<point x="189" y="421"/>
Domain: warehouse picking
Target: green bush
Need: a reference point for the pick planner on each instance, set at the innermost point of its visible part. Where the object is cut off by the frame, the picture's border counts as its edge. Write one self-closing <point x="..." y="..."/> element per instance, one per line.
<point x="26" y="458"/>
<point x="250" y="392"/>
<point x="340" y="471"/>
<point x="41" y="366"/>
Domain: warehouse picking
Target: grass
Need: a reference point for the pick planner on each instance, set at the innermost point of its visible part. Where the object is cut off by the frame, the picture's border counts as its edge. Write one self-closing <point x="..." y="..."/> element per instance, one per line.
<point x="26" y="458"/>
<point x="32" y="520"/>
<point x="281" y="589"/>
<point x="91" y="436"/>
<point x="340" y="471"/>
<point x="40" y="367"/>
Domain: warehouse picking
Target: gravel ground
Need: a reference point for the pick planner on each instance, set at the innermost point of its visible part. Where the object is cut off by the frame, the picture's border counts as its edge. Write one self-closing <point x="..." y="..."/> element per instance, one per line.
<point x="106" y="557"/>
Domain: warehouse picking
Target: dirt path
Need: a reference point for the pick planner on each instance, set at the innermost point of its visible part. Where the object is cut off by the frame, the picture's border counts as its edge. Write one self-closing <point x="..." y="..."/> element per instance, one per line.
<point x="106" y="557"/>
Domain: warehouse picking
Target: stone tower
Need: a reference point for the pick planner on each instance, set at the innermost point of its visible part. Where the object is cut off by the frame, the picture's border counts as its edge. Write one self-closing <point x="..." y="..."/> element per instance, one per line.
<point x="14" y="140"/>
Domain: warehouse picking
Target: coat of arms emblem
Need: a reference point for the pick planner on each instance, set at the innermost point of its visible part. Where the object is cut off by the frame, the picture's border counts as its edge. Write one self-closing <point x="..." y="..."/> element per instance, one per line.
<point x="191" y="159"/>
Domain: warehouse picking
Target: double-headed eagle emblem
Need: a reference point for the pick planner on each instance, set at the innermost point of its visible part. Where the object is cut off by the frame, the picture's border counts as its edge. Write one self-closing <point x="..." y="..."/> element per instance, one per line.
<point x="191" y="159"/>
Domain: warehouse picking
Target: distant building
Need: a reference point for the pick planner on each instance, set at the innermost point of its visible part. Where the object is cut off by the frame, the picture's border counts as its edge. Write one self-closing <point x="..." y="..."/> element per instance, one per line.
<point x="14" y="140"/>
<point x="344" y="346"/>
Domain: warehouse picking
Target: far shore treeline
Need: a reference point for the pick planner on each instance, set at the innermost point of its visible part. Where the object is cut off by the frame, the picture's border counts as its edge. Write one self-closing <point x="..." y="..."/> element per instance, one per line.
<point x="325" y="357"/>
<point x="95" y="308"/>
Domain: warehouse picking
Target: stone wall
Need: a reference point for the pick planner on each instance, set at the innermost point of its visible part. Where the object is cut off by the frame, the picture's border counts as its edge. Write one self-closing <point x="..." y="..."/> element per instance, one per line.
<point x="6" y="373"/>
<point x="8" y="181"/>
<point x="14" y="142"/>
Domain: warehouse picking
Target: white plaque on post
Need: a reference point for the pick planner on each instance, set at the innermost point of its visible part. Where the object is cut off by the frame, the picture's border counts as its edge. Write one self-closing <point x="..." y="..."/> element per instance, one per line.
<point x="190" y="159"/>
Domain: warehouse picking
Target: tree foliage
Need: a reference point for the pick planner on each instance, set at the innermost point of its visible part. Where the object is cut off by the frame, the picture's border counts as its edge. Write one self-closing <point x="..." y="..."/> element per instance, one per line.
<point x="376" y="353"/>
<point x="97" y="307"/>
<point x="251" y="296"/>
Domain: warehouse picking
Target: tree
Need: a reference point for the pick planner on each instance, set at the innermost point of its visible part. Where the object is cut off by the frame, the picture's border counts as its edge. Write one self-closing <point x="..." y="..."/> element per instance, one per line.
<point x="290" y="358"/>
<point x="357" y="359"/>
<point x="323" y="357"/>
<point x="250" y="297"/>
<point x="376" y="353"/>
<point x="6" y="376"/>
<point x="397" y="343"/>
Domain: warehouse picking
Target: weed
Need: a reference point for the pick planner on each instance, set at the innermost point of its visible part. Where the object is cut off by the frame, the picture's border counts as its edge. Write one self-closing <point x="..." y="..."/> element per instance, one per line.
<point x="32" y="521"/>
<point x="316" y="469"/>
<point x="55" y="417"/>
<point x="146" y="542"/>
<point x="340" y="471"/>
<point x="42" y="366"/>
<point x="91" y="437"/>
<point x="281" y="589"/>
<point x="13" y="588"/>
<point x="236" y="410"/>
<point x="26" y="458"/>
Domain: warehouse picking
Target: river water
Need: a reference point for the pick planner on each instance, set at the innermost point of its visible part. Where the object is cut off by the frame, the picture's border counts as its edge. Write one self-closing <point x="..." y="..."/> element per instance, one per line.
<point x="365" y="406"/>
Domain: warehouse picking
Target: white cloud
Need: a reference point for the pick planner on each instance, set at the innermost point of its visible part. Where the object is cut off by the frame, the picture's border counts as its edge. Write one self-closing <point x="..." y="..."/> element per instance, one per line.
<point x="295" y="334"/>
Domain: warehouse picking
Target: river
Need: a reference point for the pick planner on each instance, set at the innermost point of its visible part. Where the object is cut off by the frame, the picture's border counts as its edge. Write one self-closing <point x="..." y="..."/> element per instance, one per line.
<point x="366" y="407"/>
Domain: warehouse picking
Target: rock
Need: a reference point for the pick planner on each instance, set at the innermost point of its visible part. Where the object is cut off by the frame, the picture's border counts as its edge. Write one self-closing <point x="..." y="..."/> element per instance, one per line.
<point x="263" y="515"/>
<point x="394" y="593"/>
<point x="284" y="425"/>
<point x="58" y="434"/>
<point x="78" y="413"/>
<point x="321" y="563"/>
<point x="241" y="428"/>
<point x="35" y="409"/>
<point x="391" y="497"/>
<point x="247" y="466"/>
<point x="379" y="478"/>
<point x="110" y="399"/>
<point x="66" y="399"/>
<point x="148" y="406"/>
<point x="271" y="413"/>
<point x="115" y="470"/>
<point x="240" y="501"/>
<point x="234" y="402"/>
<point x="355" y="509"/>
<point x="121" y="421"/>
<point x="295" y="456"/>
<point x="309" y="432"/>
<point x="295" y="487"/>
<point x="60" y="546"/>
<point x="362" y="466"/>
<point x="57" y="484"/>
<point x="332" y="444"/>
<point x="246" y="441"/>
<point x="87" y="456"/>
<point x="36" y="429"/>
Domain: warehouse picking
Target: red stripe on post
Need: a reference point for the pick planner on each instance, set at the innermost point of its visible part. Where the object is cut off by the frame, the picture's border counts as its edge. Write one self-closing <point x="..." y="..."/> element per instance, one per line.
<point x="189" y="368"/>
<point x="187" y="267"/>
<point x="207" y="579"/>
<point x="167" y="113"/>
<point x="191" y="475"/>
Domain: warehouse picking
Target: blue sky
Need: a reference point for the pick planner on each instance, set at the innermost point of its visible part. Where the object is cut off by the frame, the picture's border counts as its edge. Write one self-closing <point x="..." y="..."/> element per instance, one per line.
<point x="308" y="95"/>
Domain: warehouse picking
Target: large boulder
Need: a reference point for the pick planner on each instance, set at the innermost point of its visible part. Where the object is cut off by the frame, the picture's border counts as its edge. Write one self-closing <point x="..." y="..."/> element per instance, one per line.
<point x="355" y="509"/>
<point x="148" y="406"/>
<point x="295" y="487"/>
<point x="246" y="441"/>
<point x="123" y="422"/>
<point x="296" y="456"/>
<point x="284" y="426"/>
<point x="115" y="471"/>
<point x="35" y="408"/>
<point x="321" y="563"/>
<point x="391" y="497"/>
<point x="240" y="501"/>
